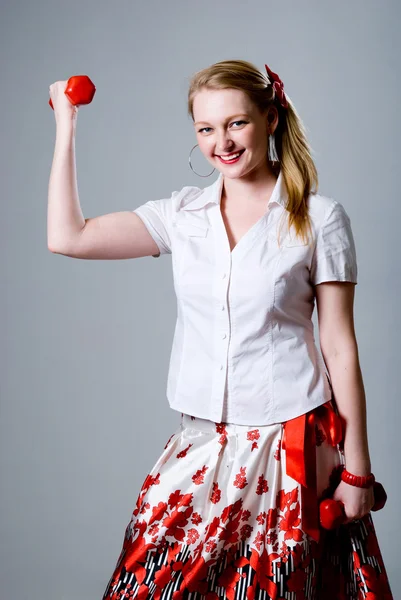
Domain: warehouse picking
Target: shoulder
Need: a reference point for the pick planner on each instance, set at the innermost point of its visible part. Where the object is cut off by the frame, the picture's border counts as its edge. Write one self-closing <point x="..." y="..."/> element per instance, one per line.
<point x="177" y="200"/>
<point x="319" y="206"/>
<point x="173" y="202"/>
<point x="324" y="209"/>
<point x="185" y="196"/>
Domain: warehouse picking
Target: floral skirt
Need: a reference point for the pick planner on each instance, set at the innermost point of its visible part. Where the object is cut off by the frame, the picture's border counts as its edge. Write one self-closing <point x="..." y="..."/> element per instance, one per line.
<point x="231" y="511"/>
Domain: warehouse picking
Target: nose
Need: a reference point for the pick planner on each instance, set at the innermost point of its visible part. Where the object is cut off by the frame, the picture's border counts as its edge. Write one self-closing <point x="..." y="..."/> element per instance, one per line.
<point x="223" y="143"/>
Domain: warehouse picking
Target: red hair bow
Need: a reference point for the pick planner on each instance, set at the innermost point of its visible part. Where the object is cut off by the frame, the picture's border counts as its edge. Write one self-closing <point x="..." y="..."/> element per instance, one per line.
<point x="278" y="87"/>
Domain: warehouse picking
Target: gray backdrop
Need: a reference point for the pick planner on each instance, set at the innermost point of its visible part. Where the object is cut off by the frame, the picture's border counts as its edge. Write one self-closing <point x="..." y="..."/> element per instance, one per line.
<point x="86" y="344"/>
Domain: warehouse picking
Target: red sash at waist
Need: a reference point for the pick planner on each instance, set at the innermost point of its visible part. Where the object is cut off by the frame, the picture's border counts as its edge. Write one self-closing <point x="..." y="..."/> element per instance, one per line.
<point x="299" y="442"/>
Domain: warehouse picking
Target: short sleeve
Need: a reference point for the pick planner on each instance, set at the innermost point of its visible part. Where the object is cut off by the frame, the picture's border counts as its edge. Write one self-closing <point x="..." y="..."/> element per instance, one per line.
<point x="334" y="257"/>
<point x="157" y="217"/>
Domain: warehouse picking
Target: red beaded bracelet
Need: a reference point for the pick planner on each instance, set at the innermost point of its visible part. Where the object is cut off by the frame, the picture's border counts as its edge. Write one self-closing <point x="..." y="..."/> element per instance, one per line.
<point x="357" y="480"/>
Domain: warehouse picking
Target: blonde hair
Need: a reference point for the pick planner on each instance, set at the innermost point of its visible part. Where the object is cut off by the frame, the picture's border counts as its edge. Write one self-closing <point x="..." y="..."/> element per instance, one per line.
<point x="295" y="161"/>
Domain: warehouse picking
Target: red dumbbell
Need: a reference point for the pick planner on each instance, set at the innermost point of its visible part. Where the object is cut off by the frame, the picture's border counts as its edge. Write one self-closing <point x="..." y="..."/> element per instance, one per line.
<point x="332" y="512"/>
<point x="80" y="90"/>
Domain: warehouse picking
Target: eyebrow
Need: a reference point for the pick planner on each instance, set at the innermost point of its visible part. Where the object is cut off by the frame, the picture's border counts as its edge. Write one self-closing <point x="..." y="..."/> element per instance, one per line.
<point x="228" y="118"/>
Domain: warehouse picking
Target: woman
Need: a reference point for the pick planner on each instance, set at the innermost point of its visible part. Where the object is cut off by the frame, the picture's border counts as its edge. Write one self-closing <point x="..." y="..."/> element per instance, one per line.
<point x="231" y="507"/>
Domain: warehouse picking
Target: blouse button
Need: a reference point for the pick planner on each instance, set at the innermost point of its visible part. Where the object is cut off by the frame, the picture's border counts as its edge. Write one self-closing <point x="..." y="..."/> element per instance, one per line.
<point x="222" y="307"/>
<point x="224" y="275"/>
<point x="224" y="336"/>
<point x="221" y="367"/>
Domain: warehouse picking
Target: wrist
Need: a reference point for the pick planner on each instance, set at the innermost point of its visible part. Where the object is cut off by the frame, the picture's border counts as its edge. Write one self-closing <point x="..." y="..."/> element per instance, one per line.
<point x="358" y="481"/>
<point x="358" y="468"/>
<point x="66" y="125"/>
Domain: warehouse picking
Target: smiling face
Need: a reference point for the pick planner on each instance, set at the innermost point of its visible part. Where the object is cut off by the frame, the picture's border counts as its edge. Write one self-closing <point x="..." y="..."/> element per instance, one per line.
<point x="227" y="122"/>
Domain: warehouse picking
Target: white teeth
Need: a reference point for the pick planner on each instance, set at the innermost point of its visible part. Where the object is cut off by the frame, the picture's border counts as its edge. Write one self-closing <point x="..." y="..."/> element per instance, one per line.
<point x="230" y="156"/>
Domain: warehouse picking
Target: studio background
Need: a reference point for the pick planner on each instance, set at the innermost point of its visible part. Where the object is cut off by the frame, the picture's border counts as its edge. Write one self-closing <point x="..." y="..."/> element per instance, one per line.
<point x="86" y="344"/>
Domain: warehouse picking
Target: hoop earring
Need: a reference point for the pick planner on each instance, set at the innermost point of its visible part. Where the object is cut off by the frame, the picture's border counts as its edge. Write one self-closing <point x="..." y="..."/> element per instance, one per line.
<point x="190" y="164"/>
<point x="272" y="152"/>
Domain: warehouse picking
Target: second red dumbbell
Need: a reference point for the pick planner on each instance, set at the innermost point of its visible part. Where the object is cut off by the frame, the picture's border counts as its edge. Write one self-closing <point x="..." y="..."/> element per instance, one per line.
<point x="332" y="512"/>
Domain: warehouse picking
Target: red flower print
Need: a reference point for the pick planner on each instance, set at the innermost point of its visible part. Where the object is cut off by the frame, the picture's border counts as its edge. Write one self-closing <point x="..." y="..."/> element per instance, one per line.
<point x="284" y="553"/>
<point x="184" y="452"/>
<point x="142" y="593"/>
<point x="246" y="531"/>
<point x="193" y="536"/>
<point x="231" y="510"/>
<point x="135" y="529"/>
<point x="198" y="478"/>
<point x="211" y="545"/>
<point x="246" y="514"/>
<point x="221" y="428"/>
<point x="262" y="486"/>
<point x="290" y="522"/>
<point x="253" y="434"/>
<point x="216" y="493"/>
<point x="263" y="566"/>
<point x="175" y="523"/>
<point x="277" y="452"/>
<point x="144" y="507"/>
<point x="258" y="540"/>
<point x="135" y="555"/>
<point x="230" y="534"/>
<point x="261" y="518"/>
<point x="153" y="529"/>
<point x="241" y="562"/>
<point x="172" y="551"/>
<point x="196" y="518"/>
<point x="212" y="529"/>
<point x="163" y="576"/>
<point x="222" y="439"/>
<point x="229" y="579"/>
<point x="194" y="573"/>
<point x="176" y="499"/>
<point x="286" y="499"/>
<point x="240" y="479"/>
<point x="271" y="521"/>
<point x="157" y="512"/>
<point x="296" y="553"/>
<point x="271" y="538"/>
<point x="150" y="480"/>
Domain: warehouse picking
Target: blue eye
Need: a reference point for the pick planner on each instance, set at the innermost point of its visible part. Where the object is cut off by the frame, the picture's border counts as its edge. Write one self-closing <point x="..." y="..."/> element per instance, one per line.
<point x="204" y="128"/>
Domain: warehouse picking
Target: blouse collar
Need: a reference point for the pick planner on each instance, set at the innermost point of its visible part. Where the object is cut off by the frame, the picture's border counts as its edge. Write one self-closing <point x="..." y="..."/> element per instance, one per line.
<point x="212" y="193"/>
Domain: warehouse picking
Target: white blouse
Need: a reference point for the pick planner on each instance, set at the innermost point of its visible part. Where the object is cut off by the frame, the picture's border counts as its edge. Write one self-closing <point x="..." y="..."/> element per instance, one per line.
<point x="244" y="349"/>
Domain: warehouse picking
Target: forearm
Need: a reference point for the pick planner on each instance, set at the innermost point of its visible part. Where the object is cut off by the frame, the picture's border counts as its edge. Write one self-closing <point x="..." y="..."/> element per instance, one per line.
<point x="348" y="389"/>
<point x="64" y="217"/>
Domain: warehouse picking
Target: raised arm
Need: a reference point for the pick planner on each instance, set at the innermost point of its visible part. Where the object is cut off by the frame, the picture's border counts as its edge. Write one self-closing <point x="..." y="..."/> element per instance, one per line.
<point x="111" y="236"/>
